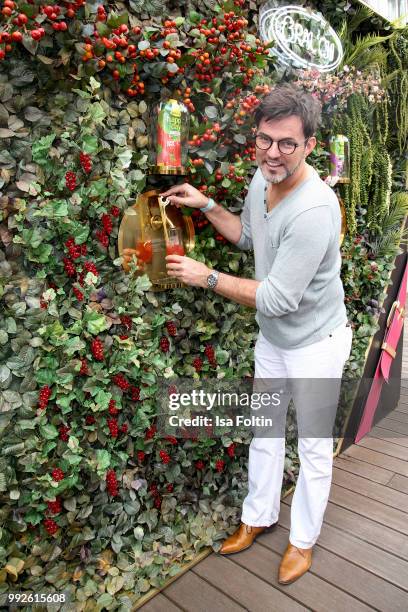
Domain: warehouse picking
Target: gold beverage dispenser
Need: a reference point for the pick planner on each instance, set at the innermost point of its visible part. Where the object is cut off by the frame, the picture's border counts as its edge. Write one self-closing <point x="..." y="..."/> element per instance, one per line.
<point x="150" y="230"/>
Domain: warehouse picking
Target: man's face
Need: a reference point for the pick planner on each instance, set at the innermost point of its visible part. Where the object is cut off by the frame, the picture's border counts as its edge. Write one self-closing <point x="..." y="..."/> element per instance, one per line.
<point x="276" y="166"/>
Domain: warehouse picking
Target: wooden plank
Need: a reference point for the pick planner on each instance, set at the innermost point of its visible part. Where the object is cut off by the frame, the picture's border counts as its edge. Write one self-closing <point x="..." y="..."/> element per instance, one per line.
<point x="393" y="425"/>
<point x="364" y="528"/>
<point x="194" y="594"/>
<point x="355" y="550"/>
<point x="372" y="472"/>
<point x="400" y="483"/>
<point x="369" y="456"/>
<point x="370" y="508"/>
<point x="385" y="434"/>
<point x="237" y="582"/>
<point x="385" y="446"/>
<point x="398" y="416"/>
<point x="310" y="590"/>
<point x="159" y="603"/>
<point x="370" y="489"/>
<point x="354" y="580"/>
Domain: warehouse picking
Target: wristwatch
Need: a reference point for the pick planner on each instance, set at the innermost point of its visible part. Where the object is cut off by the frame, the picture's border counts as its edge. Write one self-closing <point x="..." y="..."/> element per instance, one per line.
<point x="212" y="279"/>
<point x="210" y="205"/>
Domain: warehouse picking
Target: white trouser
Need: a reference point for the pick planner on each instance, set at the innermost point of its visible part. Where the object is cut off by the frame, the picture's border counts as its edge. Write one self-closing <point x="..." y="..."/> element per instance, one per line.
<point x="323" y="359"/>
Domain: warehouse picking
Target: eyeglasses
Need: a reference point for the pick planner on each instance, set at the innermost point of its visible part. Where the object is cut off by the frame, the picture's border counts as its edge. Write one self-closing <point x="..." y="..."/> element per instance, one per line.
<point x="287" y="147"/>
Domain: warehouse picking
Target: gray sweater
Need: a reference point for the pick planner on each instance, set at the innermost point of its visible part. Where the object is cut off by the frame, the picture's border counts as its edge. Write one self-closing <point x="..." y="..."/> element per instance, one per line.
<point x="297" y="257"/>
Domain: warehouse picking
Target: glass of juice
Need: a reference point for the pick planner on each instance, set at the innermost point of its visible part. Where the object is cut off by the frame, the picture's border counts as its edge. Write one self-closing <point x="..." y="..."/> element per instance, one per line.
<point x="174" y="244"/>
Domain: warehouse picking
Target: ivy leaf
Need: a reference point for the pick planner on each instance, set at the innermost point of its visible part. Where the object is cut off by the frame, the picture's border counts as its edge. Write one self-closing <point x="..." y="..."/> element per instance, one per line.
<point x="74" y="345"/>
<point x="53" y="209"/>
<point x="95" y="322"/>
<point x="49" y="432"/>
<point x="103" y="460"/>
<point x="41" y="148"/>
<point x="89" y="144"/>
<point x="211" y="112"/>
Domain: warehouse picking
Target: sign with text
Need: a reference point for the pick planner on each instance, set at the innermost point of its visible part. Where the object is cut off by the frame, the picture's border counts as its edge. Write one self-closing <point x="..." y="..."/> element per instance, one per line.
<point x="303" y="38"/>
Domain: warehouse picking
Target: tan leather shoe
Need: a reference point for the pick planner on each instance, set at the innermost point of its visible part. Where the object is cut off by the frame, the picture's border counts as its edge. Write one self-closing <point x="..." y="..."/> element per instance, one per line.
<point x="295" y="562"/>
<point x="242" y="538"/>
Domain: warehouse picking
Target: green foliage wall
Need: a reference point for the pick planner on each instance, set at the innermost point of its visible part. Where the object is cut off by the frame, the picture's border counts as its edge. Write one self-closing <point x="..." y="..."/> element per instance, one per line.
<point x="92" y="499"/>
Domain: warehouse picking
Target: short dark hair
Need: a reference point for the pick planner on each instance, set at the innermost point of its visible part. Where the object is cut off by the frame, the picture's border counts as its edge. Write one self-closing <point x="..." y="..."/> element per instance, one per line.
<point x="286" y="100"/>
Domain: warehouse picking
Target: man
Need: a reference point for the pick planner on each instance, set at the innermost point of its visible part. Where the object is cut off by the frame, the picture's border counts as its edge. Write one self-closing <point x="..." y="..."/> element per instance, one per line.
<point x="291" y="219"/>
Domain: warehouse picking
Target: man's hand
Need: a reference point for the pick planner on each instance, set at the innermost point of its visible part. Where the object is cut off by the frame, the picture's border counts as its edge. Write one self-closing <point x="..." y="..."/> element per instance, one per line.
<point x="187" y="270"/>
<point x="186" y="195"/>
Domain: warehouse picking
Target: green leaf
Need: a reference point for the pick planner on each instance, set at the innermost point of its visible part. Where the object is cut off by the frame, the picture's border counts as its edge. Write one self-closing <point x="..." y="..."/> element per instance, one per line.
<point x="74" y="345"/>
<point x="49" y="432"/>
<point x="89" y="145"/>
<point x="194" y="17"/>
<point x="211" y="112"/>
<point x="103" y="460"/>
<point x="41" y="148"/>
<point x="95" y="322"/>
<point x="53" y="209"/>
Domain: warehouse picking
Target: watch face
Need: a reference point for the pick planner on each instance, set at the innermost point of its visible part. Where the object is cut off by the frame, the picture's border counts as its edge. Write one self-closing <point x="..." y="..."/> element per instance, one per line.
<point x="212" y="280"/>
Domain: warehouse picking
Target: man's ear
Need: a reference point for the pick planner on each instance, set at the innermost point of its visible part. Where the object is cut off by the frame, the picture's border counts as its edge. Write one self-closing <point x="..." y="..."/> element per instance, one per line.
<point x="310" y="145"/>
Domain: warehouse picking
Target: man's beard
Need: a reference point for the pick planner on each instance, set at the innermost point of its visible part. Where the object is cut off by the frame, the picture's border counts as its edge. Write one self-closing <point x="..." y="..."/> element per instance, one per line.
<point x="279" y="179"/>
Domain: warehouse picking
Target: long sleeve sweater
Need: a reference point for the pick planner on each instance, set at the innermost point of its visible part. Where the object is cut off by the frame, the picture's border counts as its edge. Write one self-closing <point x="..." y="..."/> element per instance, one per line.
<point x="300" y="299"/>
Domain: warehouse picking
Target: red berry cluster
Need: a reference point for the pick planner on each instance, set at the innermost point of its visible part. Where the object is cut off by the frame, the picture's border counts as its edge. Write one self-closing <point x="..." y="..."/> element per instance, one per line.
<point x="54" y="507"/>
<point x="70" y="180"/>
<point x="90" y="419"/>
<point x="115" y="211"/>
<point x="50" y="526"/>
<point x="171" y="439"/>
<point x="121" y="381"/>
<point x="219" y="465"/>
<point x="57" y="474"/>
<point x="44" y="397"/>
<point x="150" y="432"/>
<point x="199" y="464"/>
<point x="89" y="266"/>
<point x="97" y="349"/>
<point x="112" y="483"/>
<point x="113" y="427"/>
<point x="112" y="409"/>
<point x="198" y="364"/>
<point x="69" y="267"/>
<point x="63" y="433"/>
<point x="134" y="393"/>
<point x="124" y="428"/>
<point x="210" y="354"/>
<point x="104" y="233"/>
<point x="209" y="135"/>
<point x="141" y="455"/>
<point x="75" y="250"/>
<point x="85" y="161"/>
<point x="102" y="237"/>
<point x="171" y="328"/>
<point x="78" y="294"/>
<point x="155" y="493"/>
<point x="231" y="449"/>
<point x="164" y="344"/>
<point x="84" y="371"/>
<point x="126" y="321"/>
<point x="170" y="487"/>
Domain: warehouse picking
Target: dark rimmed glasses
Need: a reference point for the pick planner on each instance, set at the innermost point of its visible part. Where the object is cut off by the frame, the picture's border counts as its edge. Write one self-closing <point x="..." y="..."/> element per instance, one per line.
<point x="285" y="146"/>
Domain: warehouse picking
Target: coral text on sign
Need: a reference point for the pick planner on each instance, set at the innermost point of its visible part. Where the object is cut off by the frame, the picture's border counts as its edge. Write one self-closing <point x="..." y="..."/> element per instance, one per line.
<point x="303" y="39"/>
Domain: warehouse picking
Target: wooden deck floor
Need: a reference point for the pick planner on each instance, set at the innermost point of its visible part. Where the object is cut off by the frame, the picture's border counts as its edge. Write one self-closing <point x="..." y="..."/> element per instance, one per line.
<point x="361" y="559"/>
